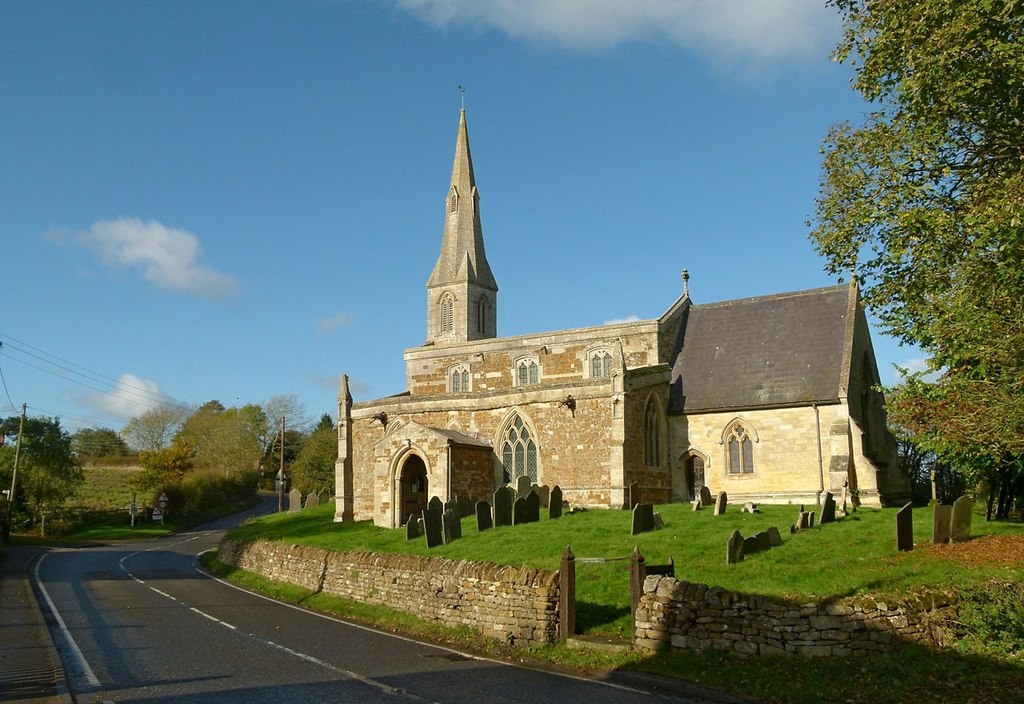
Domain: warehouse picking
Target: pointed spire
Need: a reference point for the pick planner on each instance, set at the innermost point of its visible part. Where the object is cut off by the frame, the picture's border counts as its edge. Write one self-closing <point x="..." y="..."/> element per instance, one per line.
<point x="463" y="235"/>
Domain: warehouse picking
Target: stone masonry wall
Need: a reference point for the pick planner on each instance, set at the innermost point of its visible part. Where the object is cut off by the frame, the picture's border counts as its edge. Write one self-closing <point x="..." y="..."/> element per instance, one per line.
<point x="684" y="616"/>
<point x="508" y="603"/>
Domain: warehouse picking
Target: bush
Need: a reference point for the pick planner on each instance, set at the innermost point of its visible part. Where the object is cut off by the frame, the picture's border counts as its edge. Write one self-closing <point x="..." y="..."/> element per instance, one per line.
<point x="991" y="617"/>
<point x="203" y="496"/>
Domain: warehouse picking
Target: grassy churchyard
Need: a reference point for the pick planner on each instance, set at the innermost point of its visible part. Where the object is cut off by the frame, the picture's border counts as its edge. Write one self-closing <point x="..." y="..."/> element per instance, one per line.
<point x="855" y="556"/>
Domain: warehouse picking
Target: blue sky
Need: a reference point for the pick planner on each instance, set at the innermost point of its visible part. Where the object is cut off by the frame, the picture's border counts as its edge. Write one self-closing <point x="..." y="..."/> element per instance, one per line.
<point x="234" y="200"/>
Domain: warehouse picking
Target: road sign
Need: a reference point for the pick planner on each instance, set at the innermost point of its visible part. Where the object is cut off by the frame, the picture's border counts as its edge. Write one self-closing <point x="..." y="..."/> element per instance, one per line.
<point x="158" y="515"/>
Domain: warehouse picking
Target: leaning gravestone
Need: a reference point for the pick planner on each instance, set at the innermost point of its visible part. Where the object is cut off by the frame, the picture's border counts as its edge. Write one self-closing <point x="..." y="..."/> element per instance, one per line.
<point x="483" y="516"/>
<point x="412" y="528"/>
<point x="904" y="529"/>
<point x="705" y="496"/>
<point x="433" y="528"/>
<point x="532" y="507"/>
<point x="294" y="500"/>
<point x="451" y="525"/>
<point x="774" y="537"/>
<point x="721" y="503"/>
<point x="555" y="503"/>
<point x="960" y="525"/>
<point x="803" y="520"/>
<point x="942" y="517"/>
<point x="503" y="498"/>
<point x="695" y="504"/>
<point x="523" y="487"/>
<point x="828" y="509"/>
<point x="312" y="500"/>
<point x="643" y="519"/>
<point x="465" y="505"/>
<point x="734" y="548"/>
<point x="544" y="493"/>
<point x="520" y="512"/>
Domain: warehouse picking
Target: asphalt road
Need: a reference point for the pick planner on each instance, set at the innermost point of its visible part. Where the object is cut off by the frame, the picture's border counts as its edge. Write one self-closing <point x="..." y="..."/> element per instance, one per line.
<point x="142" y="622"/>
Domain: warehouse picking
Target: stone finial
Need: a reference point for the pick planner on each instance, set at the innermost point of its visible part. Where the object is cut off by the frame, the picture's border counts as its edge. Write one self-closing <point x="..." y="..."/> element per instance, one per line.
<point x="686" y="282"/>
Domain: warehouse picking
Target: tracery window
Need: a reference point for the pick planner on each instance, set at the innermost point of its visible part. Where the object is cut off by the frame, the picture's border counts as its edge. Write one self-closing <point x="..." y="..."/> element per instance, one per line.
<point x="600" y="364"/>
<point x="518" y="452"/>
<point x="458" y="379"/>
<point x="527" y="371"/>
<point x="740" y="451"/>
<point x="447" y="313"/>
<point x="652" y="436"/>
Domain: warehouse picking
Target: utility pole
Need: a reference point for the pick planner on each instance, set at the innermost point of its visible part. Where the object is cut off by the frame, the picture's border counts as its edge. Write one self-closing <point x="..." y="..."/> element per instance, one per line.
<point x="280" y="474"/>
<point x="14" y="476"/>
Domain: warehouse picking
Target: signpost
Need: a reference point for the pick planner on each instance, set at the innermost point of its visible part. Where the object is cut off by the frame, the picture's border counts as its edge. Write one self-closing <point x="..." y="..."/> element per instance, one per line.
<point x="161" y="507"/>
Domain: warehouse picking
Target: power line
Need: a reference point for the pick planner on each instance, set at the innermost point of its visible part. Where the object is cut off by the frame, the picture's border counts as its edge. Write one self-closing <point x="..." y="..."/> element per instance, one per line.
<point x="5" y="383"/>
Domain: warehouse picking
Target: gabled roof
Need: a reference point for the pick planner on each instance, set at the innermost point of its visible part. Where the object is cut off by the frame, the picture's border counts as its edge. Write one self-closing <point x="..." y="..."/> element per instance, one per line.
<point x="779" y="350"/>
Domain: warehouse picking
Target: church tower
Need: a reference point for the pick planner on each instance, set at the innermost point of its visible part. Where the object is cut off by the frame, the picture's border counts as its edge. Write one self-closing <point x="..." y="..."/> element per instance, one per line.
<point x="462" y="296"/>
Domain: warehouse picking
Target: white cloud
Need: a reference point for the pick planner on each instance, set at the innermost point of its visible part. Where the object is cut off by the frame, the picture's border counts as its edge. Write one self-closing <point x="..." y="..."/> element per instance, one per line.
<point x="746" y="29"/>
<point x="130" y="397"/>
<point x="628" y="319"/>
<point x="169" y="257"/>
<point x="334" y="322"/>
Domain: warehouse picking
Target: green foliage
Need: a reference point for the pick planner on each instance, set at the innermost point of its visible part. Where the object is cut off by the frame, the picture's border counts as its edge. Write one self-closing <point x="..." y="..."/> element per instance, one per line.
<point x="91" y="444"/>
<point x="161" y="468"/>
<point x="203" y="496"/>
<point x="49" y="473"/>
<point x="225" y="439"/>
<point x="325" y="423"/>
<point x="991" y="619"/>
<point x="924" y="203"/>
<point x="313" y="468"/>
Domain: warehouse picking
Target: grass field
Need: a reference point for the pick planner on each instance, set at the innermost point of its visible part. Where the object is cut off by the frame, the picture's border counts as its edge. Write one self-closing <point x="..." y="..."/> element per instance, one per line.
<point x="856" y="556"/>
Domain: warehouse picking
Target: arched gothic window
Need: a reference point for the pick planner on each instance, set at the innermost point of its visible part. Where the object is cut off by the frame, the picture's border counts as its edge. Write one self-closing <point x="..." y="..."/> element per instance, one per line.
<point x="459" y="379"/>
<point x="600" y="364"/>
<point x="518" y="452"/>
<point x="652" y="436"/>
<point x="481" y="313"/>
<point x="447" y="313"/>
<point x="741" y="451"/>
<point x="527" y="372"/>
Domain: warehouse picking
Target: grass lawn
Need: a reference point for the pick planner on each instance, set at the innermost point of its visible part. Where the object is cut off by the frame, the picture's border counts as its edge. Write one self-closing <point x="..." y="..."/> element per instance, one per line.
<point x="856" y="556"/>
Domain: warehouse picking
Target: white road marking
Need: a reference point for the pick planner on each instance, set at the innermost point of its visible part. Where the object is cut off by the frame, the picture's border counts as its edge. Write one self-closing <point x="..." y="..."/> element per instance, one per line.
<point x="90" y="676"/>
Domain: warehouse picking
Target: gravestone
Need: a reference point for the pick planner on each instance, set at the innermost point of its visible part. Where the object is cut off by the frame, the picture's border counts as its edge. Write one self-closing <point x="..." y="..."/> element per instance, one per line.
<point x="312" y="500"/>
<point x="523" y="487"/>
<point x="810" y="519"/>
<point x="942" y="520"/>
<point x="325" y="496"/>
<point x="750" y="507"/>
<point x="705" y="496"/>
<point x="520" y="512"/>
<point x="483" y="516"/>
<point x="696" y="505"/>
<point x="465" y="504"/>
<point x="803" y="520"/>
<point x="828" y="509"/>
<point x="503" y="498"/>
<point x="433" y="529"/>
<point x="721" y="503"/>
<point x="452" y="525"/>
<point x="659" y="522"/>
<point x="734" y="548"/>
<point x="960" y="524"/>
<point x="774" y="537"/>
<point x="643" y="519"/>
<point x="532" y="507"/>
<point x="412" y="528"/>
<point x="435" y="505"/>
<point x="451" y="505"/>
<point x="294" y="500"/>
<point x="544" y="493"/>
<point x="555" y="503"/>
<point x="904" y="529"/>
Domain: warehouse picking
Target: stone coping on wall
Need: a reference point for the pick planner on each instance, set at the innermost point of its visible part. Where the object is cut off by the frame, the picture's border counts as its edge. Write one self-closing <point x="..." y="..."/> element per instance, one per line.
<point x="674" y="614"/>
<point x="515" y="604"/>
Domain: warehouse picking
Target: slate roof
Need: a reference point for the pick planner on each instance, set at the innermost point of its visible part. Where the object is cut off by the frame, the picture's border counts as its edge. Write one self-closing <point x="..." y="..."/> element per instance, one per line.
<point x="778" y="350"/>
<point x="460" y="438"/>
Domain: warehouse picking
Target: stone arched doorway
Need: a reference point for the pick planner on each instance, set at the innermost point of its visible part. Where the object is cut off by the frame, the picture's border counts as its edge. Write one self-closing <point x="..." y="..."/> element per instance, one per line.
<point x="695" y="474"/>
<point x="412" y="488"/>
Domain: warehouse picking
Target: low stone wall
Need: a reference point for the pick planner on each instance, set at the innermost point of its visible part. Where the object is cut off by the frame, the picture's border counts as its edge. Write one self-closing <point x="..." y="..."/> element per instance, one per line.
<point x="513" y="604"/>
<point x="680" y="615"/>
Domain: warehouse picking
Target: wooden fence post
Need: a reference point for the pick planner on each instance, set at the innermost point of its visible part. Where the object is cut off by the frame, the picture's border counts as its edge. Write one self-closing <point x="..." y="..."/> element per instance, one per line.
<point x="567" y="595"/>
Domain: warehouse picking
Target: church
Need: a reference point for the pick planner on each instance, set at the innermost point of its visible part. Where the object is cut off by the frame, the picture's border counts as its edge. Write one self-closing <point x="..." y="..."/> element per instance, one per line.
<point x="771" y="399"/>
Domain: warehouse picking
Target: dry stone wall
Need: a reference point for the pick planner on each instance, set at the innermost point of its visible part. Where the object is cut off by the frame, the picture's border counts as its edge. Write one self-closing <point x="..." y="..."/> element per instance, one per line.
<point x="685" y="616"/>
<point x="509" y="603"/>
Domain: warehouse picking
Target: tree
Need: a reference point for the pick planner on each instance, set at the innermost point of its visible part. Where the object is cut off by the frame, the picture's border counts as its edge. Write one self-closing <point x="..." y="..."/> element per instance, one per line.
<point x="93" y="443"/>
<point x="924" y="204"/>
<point x="161" y="468"/>
<point x="49" y="473"/>
<point x="155" y="428"/>
<point x="313" y="468"/>
<point x="225" y="439"/>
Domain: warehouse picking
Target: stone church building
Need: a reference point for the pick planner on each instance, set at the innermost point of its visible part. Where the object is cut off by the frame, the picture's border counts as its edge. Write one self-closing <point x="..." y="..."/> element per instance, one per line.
<point x="771" y="399"/>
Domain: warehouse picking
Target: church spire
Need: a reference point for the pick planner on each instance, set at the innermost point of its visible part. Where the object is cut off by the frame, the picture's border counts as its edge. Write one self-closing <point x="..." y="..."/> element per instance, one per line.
<point x="461" y="291"/>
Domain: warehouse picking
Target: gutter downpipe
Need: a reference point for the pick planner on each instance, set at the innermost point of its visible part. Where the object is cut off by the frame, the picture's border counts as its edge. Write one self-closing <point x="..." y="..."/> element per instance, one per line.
<point x="821" y="464"/>
<point x="449" y="450"/>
